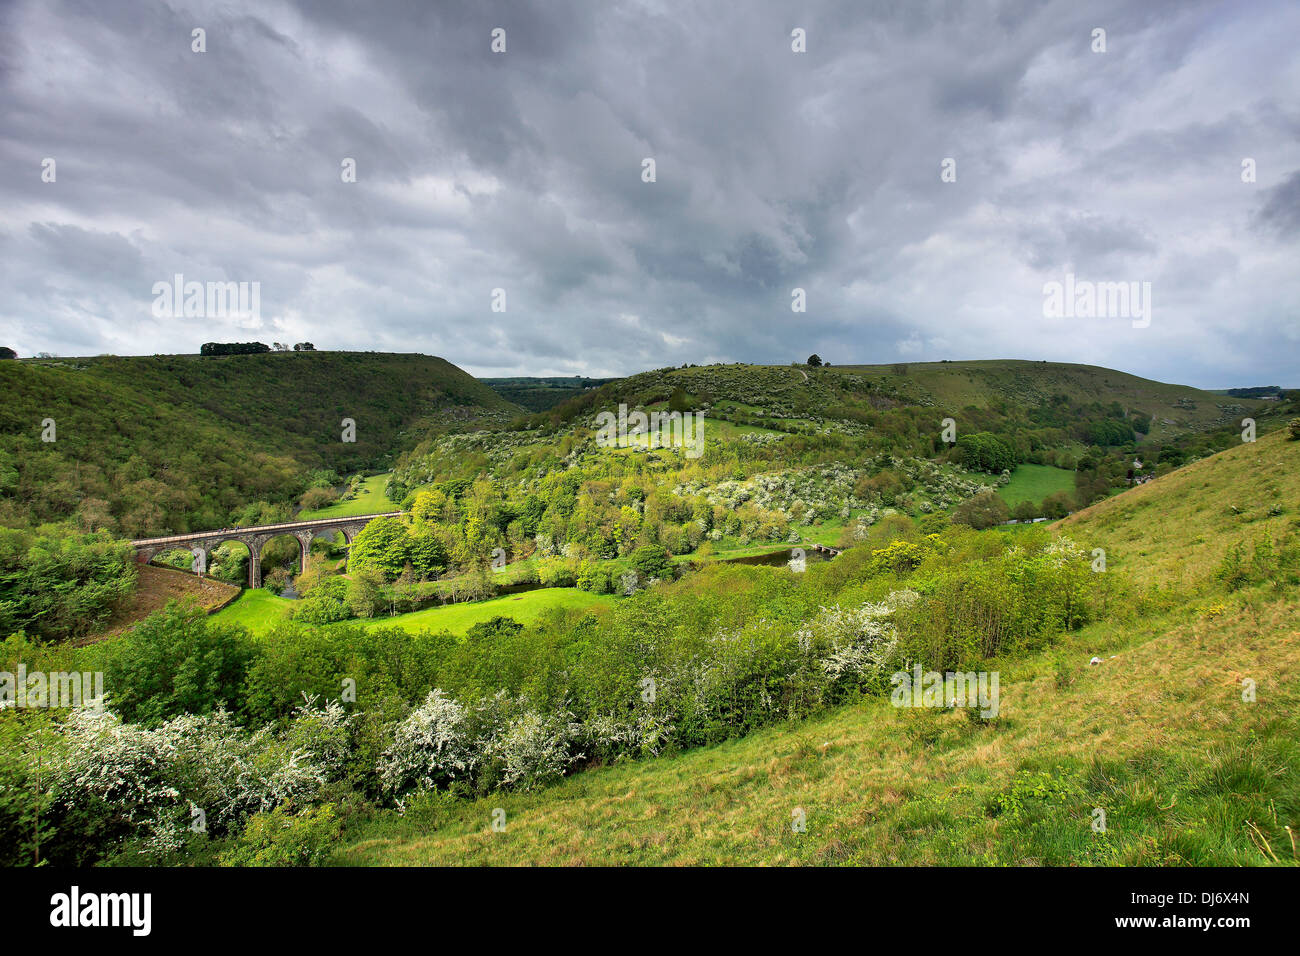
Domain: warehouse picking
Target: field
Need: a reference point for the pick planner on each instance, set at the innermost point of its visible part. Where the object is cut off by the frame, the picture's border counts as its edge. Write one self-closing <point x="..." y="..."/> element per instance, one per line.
<point x="255" y="609"/>
<point x="259" y="609"/>
<point x="1033" y="483"/>
<point x="370" y="499"/>
<point x="525" y="608"/>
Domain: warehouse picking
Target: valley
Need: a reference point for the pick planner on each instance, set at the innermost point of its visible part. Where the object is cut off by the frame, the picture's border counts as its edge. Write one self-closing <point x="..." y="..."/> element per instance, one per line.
<point x="611" y="631"/>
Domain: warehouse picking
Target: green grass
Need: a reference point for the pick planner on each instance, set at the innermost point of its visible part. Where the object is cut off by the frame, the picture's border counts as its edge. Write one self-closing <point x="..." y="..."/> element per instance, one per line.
<point x="1158" y="737"/>
<point x="256" y="609"/>
<point x="525" y="608"/>
<point x="259" y="609"/>
<point x="1034" y="483"/>
<point x="370" y="500"/>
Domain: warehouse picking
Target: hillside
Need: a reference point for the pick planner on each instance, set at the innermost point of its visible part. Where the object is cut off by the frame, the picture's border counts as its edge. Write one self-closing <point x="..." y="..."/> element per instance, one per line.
<point x="151" y="444"/>
<point x="981" y="394"/>
<point x="540" y="394"/>
<point x="1173" y="532"/>
<point x="1158" y="736"/>
<point x="1175" y="409"/>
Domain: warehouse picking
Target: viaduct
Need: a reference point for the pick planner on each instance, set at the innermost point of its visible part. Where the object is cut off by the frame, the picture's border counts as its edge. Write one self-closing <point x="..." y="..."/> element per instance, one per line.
<point x="201" y="542"/>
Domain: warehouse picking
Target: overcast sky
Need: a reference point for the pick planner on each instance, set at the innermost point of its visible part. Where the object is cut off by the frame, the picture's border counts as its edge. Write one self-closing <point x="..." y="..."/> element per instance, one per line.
<point x="774" y="170"/>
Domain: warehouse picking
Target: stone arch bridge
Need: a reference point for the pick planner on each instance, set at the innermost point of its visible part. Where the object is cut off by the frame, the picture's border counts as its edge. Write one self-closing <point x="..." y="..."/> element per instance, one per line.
<point x="202" y="542"/>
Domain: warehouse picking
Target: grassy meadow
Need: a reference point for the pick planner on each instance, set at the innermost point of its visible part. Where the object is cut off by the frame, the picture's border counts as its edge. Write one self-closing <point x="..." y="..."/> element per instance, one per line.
<point x="1033" y="483"/>
<point x="369" y="500"/>
<point x="259" y="609"/>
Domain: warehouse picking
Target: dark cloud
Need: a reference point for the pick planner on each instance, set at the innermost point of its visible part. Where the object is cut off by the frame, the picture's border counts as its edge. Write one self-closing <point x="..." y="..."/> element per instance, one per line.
<point x="775" y="170"/>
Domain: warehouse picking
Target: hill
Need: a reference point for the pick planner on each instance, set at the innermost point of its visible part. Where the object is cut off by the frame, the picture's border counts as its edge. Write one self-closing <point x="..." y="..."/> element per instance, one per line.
<point x="152" y="444"/>
<point x="1160" y="735"/>
<point x="540" y="394"/>
<point x="1176" y="530"/>
<point x="1174" y="409"/>
<point x="997" y="393"/>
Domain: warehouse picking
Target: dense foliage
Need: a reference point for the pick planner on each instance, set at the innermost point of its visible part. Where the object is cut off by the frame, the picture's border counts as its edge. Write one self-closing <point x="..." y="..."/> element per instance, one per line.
<point x="58" y="584"/>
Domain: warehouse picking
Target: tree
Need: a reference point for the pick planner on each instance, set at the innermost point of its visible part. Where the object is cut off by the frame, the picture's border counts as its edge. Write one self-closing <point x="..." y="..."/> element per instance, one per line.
<point x="383" y="544"/>
<point x="814" y="361"/>
<point x="983" y="511"/>
<point x="7" y="353"/>
<point x="304" y="347"/>
<point x="1293" y="426"/>
<point x="652" y="561"/>
<point x="1058" y="505"/>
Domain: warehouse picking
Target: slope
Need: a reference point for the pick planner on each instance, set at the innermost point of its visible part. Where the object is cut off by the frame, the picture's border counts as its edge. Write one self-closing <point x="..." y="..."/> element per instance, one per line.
<point x="149" y="444"/>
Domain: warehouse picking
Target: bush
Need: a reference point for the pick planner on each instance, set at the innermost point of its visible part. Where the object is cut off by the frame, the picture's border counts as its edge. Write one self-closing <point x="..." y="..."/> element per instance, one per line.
<point x="59" y="584"/>
<point x="652" y="561"/>
<point x="280" y="838"/>
<point x="316" y="498"/>
<point x="175" y="661"/>
<point x="432" y="747"/>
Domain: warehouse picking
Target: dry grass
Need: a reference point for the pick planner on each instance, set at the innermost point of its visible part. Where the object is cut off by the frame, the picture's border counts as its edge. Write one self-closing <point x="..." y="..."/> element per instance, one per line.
<point x="156" y="586"/>
<point x="1174" y="531"/>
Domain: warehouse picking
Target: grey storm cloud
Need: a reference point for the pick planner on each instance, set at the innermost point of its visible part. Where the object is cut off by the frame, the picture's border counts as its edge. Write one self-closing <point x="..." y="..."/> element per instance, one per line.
<point x="775" y="170"/>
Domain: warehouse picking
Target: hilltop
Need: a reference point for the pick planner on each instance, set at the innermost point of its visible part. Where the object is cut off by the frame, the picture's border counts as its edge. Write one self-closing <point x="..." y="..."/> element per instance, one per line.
<point x="171" y="442"/>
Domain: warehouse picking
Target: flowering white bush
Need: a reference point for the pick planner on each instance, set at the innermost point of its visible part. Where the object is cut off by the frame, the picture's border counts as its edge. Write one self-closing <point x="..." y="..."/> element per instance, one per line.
<point x="642" y="734"/>
<point x="433" y="746"/>
<point x="533" y="749"/>
<point x="851" y="644"/>
<point x="122" y="771"/>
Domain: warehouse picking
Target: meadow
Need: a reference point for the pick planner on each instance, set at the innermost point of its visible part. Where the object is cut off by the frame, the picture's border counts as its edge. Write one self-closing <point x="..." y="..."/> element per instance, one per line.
<point x="1033" y="483"/>
<point x="258" y="610"/>
<point x="370" y="499"/>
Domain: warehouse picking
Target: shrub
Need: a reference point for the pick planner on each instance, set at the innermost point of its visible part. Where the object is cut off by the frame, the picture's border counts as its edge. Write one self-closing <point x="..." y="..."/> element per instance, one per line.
<point x="432" y="747"/>
<point x="176" y="661"/>
<point x="280" y="838"/>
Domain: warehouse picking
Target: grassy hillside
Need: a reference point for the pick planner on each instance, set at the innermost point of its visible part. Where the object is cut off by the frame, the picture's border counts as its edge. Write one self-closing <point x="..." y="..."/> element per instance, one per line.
<point x="1176" y="409"/>
<point x="1175" y="531"/>
<point x="152" y="444"/>
<point x="156" y="586"/>
<point x="1159" y="736"/>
